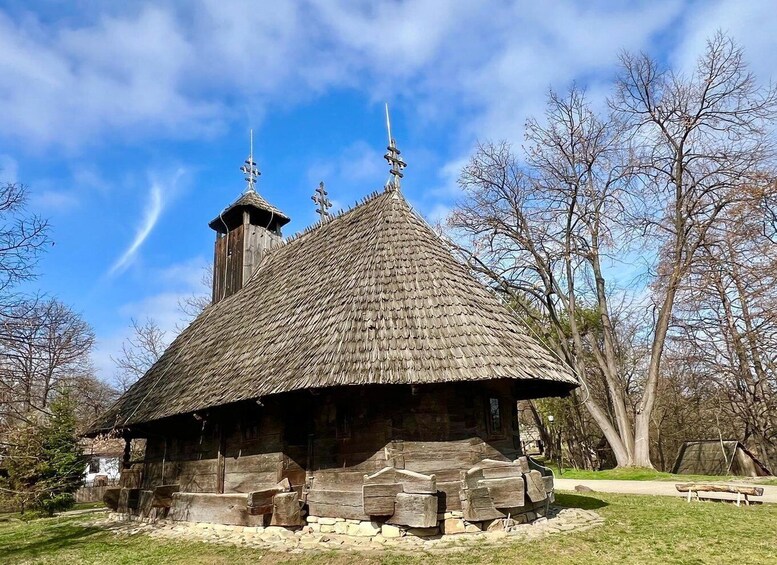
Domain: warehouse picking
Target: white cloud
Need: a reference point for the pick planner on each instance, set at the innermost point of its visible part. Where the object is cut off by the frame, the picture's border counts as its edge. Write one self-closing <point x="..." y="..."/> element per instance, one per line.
<point x="178" y="70"/>
<point x="150" y="216"/>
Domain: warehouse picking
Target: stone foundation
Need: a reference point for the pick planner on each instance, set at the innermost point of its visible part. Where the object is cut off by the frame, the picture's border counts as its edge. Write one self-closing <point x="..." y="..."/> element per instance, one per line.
<point x="454" y="533"/>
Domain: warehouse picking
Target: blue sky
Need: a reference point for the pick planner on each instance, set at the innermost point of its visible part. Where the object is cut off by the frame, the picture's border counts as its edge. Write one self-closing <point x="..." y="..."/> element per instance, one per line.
<point x="128" y="121"/>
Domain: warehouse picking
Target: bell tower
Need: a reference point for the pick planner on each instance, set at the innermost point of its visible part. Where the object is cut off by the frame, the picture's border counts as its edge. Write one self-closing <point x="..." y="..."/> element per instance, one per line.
<point x="245" y="230"/>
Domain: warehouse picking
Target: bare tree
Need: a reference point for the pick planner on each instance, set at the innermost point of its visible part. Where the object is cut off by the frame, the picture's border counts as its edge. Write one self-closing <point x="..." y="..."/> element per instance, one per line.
<point x="22" y="238"/>
<point x="727" y="312"/>
<point x="656" y="176"/>
<point x="194" y="304"/>
<point x="699" y="137"/>
<point x="44" y="344"/>
<point x="542" y="233"/>
<point x="138" y="352"/>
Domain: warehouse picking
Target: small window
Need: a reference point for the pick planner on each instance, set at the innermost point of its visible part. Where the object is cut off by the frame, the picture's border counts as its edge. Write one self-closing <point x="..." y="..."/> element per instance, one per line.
<point x="94" y="465"/>
<point x="494" y="416"/>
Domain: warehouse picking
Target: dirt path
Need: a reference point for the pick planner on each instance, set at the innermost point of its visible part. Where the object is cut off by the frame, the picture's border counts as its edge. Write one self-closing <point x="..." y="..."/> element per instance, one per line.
<point x="656" y="488"/>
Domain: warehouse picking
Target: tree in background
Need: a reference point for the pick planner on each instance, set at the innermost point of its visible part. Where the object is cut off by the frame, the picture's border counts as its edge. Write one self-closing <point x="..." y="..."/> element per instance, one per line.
<point x="45" y="347"/>
<point x="698" y="139"/>
<point x="22" y="239"/>
<point x="657" y="175"/>
<point x="138" y="352"/>
<point x="44" y="460"/>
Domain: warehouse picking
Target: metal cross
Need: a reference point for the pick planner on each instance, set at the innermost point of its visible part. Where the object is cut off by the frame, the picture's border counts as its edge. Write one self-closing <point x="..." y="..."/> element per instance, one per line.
<point x="393" y="158"/>
<point x="322" y="201"/>
<point x="249" y="168"/>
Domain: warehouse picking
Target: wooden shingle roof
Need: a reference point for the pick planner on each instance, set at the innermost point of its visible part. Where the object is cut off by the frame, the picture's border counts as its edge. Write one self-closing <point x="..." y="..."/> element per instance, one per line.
<point x="372" y="296"/>
<point x="251" y="201"/>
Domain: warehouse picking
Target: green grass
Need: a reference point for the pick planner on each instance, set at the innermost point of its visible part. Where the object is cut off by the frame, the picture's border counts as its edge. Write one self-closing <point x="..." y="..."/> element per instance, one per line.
<point x="645" y="474"/>
<point x="638" y="529"/>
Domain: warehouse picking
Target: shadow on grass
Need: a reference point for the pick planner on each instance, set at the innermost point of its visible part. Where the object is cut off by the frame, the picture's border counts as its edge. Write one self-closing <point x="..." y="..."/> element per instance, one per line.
<point x="579" y="501"/>
<point x="53" y="539"/>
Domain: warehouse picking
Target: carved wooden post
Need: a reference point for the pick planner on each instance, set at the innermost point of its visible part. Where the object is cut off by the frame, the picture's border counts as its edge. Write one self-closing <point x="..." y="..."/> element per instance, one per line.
<point x="125" y="462"/>
<point x="220" y="469"/>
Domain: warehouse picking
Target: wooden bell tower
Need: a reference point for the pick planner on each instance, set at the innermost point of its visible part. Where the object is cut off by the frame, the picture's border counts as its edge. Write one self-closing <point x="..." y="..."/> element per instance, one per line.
<point x="245" y="230"/>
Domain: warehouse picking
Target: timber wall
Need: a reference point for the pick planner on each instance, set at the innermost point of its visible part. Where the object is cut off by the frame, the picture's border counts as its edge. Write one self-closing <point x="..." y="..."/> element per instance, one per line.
<point x="325" y="443"/>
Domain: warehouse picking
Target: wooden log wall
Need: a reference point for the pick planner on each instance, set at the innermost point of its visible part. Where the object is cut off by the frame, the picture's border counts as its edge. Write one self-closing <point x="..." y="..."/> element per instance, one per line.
<point x="325" y="443"/>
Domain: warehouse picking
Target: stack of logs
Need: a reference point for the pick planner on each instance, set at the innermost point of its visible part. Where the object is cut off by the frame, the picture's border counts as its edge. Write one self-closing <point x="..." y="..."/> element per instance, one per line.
<point x="488" y="491"/>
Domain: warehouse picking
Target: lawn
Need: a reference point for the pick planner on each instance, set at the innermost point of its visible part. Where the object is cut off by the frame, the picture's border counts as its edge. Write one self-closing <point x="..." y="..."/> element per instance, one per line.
<point x="637" y="530"/>
<point x="645" y="474"/>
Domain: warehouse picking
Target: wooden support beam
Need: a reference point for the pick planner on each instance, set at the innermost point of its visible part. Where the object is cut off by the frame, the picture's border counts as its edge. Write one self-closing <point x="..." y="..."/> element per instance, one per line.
<point x="111" y="498"/>
<point x="378" y="500"/>
<point x="163" y="495"/>
<point x="507" y="492"/>
<point x="220" y="464"/>
<point x="415" y="510"/>
<point x="287" y="510"/>
<point x="535" y="486"/>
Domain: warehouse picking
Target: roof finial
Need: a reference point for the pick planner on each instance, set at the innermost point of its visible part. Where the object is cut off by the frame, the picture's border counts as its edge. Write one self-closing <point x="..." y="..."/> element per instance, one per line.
<point x="393" y="158"/>
<point x="249" y="168"/>
<point x="321" y="200"/>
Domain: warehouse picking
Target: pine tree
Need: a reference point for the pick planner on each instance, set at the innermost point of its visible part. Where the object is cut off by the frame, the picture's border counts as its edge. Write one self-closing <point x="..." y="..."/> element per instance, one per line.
<point x="45" y="461"/>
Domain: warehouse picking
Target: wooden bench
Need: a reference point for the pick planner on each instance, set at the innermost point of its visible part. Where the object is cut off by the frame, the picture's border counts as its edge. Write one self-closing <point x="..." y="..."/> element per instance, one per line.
<point x="739" y="490"/>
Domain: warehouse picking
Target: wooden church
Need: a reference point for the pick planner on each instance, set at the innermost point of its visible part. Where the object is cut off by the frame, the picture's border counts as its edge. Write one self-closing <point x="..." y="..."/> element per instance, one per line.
<point x="355" y="371"/>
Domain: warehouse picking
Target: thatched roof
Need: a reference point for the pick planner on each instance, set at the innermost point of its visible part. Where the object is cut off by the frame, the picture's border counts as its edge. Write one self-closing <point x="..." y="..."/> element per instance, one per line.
<point x="372" y="296"/>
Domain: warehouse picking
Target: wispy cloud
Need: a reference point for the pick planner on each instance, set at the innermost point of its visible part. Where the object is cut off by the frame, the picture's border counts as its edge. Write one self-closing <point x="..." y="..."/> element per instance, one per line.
<point x="151" y="215"/>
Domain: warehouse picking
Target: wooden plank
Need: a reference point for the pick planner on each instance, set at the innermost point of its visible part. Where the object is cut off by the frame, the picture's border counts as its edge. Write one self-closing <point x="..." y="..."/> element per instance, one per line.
<point x="336" y="510"/>
<point x="128" y="500"/>
<point x="535" y="486"/>
<point x="111" y="498"/>
<point x="448" y="495"/>
<point x="523" y="464"/>
<point x="286" y="510"/>
<point x="412" y="482"/>
<point x="416" y="483"/>
<point x="261" y="501"/>
<point x="500" y="469"/>
<point x="220" y="463"/>
<point x="415" y="510"/>
<point x="247" y="482"/>
<point x="476" y="505"/>
<point x="346" y="498"/>
<point x="145" y="503"/>
<point x="506" y="493"/>
<point x="378" y="499"/>
<point x="214" y="508"/>
<point x="163" y="495"/>
<point x="258" y="463"/>
<point x="386" y="476"/>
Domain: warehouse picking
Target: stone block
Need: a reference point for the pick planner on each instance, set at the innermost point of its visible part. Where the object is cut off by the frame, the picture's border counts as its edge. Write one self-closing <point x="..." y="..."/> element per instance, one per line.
<point x="325" y="521"/>
<point x="453" y="526"/>
<point x="389" y="531"/>
<point x="341" y="528"/>
<point x="311" y="519"/>
<point x="369" y="529"/>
